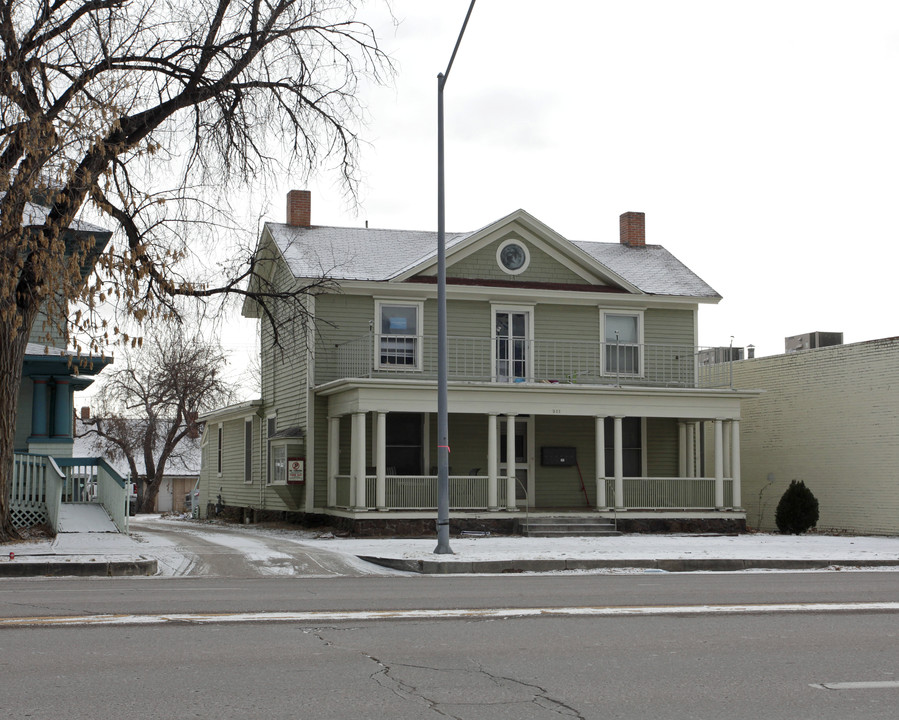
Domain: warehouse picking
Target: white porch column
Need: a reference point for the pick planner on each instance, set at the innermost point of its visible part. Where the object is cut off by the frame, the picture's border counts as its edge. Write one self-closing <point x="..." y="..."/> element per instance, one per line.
<point x="510" y="462"/>
<point x="719" y="463"/>
<point x="728" y="434"/>
<point x="492" y="464"/>
<point x="691" y="450"/>
<point x="333" y="459"/>
<point x="601" y="500"/>
<point x="681" y="448"/>
<point x="735" y="462"/>
<point x="380" y="419"/>
<point x="357" y="460"/>
<point x="619" y="463"/>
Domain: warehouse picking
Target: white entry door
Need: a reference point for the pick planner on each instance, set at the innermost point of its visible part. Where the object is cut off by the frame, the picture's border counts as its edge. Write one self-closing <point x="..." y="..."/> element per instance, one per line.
<point x="524" y="491"/>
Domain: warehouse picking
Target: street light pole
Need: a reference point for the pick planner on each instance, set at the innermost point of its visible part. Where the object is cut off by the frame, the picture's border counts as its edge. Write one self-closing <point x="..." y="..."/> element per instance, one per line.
<point x="443" y="546"/>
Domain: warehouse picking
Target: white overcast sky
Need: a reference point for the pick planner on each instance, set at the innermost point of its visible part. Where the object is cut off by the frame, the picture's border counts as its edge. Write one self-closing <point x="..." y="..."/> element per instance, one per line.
<point x="760" y="138"/>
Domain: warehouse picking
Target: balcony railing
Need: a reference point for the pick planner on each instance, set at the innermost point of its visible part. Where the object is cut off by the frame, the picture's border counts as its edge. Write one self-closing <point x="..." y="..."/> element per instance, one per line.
<point x="484" y="359"/>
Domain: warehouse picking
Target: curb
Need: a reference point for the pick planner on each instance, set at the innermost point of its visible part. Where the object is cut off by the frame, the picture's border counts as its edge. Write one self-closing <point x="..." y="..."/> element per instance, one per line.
<point x="117" y="568"/>
<point x="442" y="567"/>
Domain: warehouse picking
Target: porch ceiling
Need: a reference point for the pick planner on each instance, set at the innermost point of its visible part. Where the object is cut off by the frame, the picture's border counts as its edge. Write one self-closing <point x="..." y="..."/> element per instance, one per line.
<point x="392" y="395"/>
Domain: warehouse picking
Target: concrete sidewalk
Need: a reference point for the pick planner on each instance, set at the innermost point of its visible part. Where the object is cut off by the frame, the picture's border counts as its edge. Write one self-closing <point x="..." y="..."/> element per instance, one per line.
<point x="521" y="565"/>
<point x="80" y="554"/>
<point x="113" y="554"/>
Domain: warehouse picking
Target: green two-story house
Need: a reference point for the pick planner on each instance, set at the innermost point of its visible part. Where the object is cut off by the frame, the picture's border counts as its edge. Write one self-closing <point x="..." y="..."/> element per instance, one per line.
<point x="574" y="384"/>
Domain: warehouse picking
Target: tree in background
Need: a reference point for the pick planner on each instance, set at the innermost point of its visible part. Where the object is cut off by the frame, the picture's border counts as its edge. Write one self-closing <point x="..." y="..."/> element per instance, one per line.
<point x="154" y="115"/>
<point x="146" y="412"/>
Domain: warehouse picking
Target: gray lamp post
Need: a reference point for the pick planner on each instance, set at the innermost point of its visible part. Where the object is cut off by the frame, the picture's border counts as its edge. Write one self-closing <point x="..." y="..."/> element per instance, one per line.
<point x="443" y="546"/>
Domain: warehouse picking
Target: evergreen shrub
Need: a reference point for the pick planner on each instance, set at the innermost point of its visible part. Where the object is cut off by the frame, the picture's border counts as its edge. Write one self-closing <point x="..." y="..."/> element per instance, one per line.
<point x="797" y="510"/>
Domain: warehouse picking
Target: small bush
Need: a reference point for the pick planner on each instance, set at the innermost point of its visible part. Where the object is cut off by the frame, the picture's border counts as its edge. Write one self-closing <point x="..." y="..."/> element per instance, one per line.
<point x="797" y="510"/>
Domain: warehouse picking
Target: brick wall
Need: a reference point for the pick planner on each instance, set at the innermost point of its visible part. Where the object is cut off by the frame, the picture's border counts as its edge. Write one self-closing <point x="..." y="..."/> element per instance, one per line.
<point x="829" y="417"/>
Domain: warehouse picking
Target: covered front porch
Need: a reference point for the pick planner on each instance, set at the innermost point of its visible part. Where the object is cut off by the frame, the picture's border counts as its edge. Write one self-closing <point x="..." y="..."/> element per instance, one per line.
<point x="576" y="449"/>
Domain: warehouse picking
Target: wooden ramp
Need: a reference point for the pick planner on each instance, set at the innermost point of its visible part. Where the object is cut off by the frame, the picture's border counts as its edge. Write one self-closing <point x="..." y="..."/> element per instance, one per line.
<point x="84" y="517"/>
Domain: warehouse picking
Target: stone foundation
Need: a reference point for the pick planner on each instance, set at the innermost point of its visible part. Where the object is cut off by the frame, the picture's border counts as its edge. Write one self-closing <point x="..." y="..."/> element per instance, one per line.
<point x="377" y="525"/>
<point x="681" y="525"/>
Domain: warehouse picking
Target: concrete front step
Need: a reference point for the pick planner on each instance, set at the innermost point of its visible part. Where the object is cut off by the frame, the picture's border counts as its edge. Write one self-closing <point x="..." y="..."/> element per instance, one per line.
<point x="561" y="527"/>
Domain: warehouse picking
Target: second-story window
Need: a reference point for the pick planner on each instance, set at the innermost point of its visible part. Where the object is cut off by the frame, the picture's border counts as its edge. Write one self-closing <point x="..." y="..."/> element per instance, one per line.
<point x="621" y="334"/>
<point x="398" y="342"/>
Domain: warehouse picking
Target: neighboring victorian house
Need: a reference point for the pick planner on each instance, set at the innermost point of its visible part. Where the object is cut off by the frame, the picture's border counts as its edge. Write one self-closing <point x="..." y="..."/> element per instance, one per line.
<point x="45" y="475"/>
<point x="574" y="385"/>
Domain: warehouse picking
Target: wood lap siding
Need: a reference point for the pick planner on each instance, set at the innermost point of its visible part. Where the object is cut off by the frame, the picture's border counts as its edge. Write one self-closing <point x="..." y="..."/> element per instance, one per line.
<point x="829" y="417"/>
<point x="482" y="265"/>
<point x="668" y="327"/>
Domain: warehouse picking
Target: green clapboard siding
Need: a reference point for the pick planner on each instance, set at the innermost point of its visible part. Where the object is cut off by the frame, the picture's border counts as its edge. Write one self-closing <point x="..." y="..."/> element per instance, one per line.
<point x="482" y="265"/>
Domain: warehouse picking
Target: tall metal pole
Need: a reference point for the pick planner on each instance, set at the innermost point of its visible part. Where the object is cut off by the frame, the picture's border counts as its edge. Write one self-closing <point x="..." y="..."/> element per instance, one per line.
<point x="443" y="449"/>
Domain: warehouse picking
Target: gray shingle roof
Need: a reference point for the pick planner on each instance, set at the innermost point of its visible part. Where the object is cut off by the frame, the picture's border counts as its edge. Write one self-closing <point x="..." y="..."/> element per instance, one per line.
<point x="381" y="255"/>
<point x="651" y="268"/>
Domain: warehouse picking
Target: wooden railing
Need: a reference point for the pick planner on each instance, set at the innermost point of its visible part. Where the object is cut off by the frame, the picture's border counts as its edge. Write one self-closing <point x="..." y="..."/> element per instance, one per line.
<point x="419" y="492"/>
<point x="95" y="480"/>
<point x="35" y="491"/>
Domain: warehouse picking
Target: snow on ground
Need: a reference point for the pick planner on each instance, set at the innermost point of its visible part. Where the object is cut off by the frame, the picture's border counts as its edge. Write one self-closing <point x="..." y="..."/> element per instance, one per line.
<point x="629" y="547"/>
<point x="101" y="547"/>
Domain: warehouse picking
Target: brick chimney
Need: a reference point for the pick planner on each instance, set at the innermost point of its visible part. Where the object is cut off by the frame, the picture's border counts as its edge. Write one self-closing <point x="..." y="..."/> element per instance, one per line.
<point x="299" y="208"/>
<point x="85" y="413"/>
<point x="633" y="229"/>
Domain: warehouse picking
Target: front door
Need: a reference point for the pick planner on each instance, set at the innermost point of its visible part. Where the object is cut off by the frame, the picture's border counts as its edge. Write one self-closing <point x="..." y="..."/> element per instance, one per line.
<point x="511" y="345"/>
<point x="523" y="492"/>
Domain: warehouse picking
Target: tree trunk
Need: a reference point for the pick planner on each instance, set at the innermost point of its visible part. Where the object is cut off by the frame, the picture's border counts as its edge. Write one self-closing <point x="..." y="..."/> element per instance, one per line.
<point x="152" y="490"/>
<point x="12" y="355"/>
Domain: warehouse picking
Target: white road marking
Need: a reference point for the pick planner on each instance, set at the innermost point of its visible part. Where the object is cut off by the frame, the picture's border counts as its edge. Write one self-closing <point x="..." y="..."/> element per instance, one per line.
<point x="870" y="685"/>
<point x="326" y="616"/>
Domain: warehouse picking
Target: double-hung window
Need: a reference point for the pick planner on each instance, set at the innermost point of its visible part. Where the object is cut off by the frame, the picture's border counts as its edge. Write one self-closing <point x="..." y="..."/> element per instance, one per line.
<point x="622" y="334"/>
<point x="398" y="341"/>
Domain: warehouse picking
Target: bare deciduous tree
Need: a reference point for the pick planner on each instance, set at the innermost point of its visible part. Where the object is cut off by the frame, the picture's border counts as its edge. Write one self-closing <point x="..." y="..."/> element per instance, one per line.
<point x="149" y="403"/>
<point x="149" y="113"/>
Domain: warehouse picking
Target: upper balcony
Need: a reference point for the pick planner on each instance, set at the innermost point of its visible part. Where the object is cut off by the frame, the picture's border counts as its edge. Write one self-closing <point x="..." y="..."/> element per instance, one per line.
<point x="520" y="360"/>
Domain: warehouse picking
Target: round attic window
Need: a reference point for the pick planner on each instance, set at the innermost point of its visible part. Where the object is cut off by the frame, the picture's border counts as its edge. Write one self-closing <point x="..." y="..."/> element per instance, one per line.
<point x="513" y="257"/>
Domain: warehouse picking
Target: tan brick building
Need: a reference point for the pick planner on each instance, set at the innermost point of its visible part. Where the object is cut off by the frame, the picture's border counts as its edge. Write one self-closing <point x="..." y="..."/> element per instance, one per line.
<point x="830" y="417"/>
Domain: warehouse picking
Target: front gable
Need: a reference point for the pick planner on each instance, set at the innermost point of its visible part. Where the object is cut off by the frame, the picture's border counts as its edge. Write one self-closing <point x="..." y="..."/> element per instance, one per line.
<point x="519" y="249"/>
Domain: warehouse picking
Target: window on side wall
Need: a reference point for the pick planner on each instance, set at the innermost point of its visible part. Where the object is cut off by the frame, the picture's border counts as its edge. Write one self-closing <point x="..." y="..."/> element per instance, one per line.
<point x="622" y="335"/>
<point x="279" y="464"/>
<point x="270" y="428"/>
<point x="398" y="340"/>
<point x="248" y="451"/>
<point x="218" y="461"/>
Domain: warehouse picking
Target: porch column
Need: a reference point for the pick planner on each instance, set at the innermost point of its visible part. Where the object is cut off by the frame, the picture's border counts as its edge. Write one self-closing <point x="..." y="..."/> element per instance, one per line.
<point x="39" y="418"/>
<point x="719" y="463"/>
<point x="510" y="462"/>
<point x="380" y="419"/>
<point x="492" y="465"/>
<point x="691" y="450"/>
<point x="62" y="411"/>
<point x="357" y="460"/>
<point x="735" y="462"/>
<point x="728" y="434"/>
<point x="619" y="463"/>
<point x="333" y="459"/>
<point x="601" y="501"/>
<point x="681" y="449"/>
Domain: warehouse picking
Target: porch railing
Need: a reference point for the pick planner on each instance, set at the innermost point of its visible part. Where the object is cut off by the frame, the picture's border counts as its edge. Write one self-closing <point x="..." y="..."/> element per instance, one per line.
<point x="35" y="491"/>
<point x="94" y="480"/>
<point x="486" y="359"/>
<point x="419" y="492"/>
<point x="669" y="493"/>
